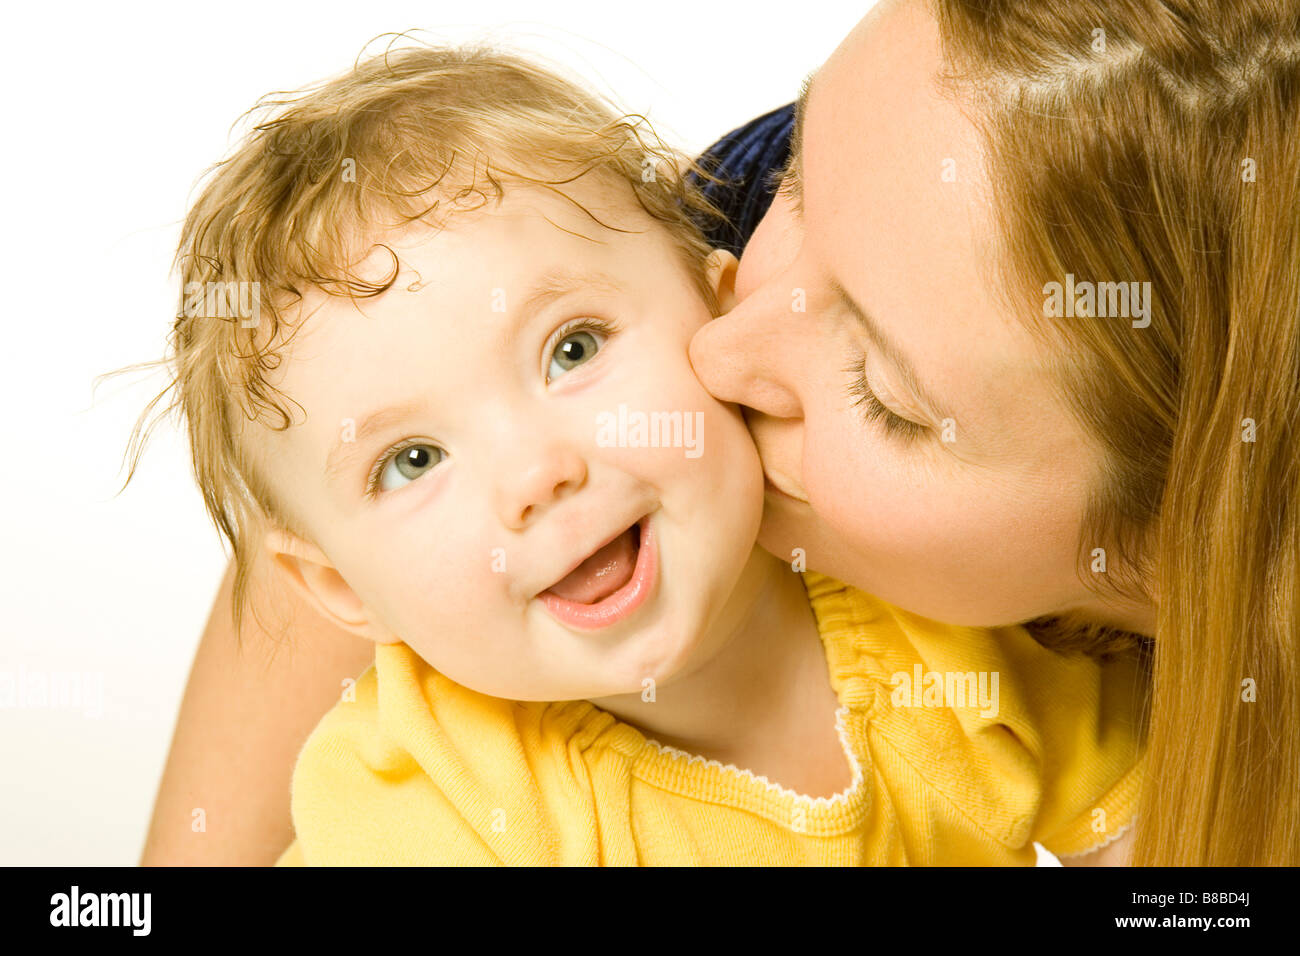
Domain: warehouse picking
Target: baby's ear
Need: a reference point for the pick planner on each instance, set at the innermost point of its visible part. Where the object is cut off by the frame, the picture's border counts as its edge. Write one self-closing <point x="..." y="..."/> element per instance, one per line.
<point x="720" y="268"/>
<point x="307" y="569"/>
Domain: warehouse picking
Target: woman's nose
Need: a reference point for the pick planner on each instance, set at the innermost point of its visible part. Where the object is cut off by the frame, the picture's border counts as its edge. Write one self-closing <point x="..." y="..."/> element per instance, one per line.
<point x="746" y="356"/>
<point x="533" y="479"/>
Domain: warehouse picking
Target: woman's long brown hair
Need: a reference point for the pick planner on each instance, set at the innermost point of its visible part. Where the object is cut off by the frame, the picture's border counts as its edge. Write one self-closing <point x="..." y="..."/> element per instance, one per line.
<point x="1159" y="142"/>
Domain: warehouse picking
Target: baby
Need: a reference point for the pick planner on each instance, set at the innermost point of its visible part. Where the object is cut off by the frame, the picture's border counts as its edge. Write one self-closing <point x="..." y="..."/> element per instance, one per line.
<point x="478" y="283"/>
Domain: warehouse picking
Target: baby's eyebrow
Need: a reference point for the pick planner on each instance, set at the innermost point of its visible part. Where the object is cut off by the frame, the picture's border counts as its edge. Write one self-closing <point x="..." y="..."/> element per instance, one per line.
<point x="344" y="451"/>
<point x="556" y="284"/>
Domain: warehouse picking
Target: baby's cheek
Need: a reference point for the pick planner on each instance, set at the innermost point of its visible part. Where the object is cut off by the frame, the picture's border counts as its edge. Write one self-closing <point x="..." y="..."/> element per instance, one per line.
<point x="733" y="443"/>
<point x="438" y="575"/>
<point x="720" y="429"/>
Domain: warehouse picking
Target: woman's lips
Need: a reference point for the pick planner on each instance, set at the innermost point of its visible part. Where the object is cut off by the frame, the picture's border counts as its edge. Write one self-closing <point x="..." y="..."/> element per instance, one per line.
<point x="615" y="606"/>
<point x="778" y="491"/>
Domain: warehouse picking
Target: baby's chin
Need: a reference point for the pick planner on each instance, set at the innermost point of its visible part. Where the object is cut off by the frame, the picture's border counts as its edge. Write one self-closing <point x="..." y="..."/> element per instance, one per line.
<point x="653" y="660"/>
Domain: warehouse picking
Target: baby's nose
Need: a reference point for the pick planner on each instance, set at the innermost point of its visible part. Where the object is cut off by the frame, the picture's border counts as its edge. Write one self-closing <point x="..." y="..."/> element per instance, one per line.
<point x="532" y="481"/>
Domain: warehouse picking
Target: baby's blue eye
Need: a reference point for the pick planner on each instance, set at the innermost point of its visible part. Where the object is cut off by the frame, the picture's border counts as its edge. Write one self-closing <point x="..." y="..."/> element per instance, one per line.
<point x="572" y="350"/>
<point x="410" y="463"/>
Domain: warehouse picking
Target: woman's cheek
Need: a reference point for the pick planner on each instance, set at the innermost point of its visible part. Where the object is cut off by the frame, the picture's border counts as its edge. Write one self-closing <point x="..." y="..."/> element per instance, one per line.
<point x="880" y="504"/>
<point x="845" y="474"/>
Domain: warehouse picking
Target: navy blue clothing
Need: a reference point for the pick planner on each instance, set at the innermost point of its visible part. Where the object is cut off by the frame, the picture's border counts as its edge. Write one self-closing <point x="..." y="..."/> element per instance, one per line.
<point x="746" y="158"/>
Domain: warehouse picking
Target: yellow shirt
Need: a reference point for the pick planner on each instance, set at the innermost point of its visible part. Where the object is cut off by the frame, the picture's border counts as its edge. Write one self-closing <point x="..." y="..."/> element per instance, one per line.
<point x="420" y="770"/>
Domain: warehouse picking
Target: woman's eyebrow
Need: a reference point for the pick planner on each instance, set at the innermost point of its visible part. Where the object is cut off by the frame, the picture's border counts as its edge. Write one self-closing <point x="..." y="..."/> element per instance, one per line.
<point x="889" y="348"/>
<point x="792" y="175"/>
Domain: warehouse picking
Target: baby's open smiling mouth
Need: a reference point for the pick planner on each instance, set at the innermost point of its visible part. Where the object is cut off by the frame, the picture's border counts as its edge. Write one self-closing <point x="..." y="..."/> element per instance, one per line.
<point x="609" y="584"/>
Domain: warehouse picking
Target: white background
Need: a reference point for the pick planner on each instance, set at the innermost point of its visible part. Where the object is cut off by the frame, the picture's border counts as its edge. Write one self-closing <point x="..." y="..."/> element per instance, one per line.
<point x="112" y="112"/>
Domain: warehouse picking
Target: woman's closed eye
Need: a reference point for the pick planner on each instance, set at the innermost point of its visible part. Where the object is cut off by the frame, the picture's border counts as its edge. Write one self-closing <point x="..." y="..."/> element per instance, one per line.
<point x="874" y="410"/>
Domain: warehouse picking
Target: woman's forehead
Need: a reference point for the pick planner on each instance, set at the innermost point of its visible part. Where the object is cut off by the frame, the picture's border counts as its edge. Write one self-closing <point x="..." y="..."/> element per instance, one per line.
<point x="896" y="210"/>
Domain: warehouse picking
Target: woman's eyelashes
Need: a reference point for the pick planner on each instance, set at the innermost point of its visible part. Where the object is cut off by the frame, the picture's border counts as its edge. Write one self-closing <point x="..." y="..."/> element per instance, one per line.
<point x="874" y="410"/>
<point x="575" y="343"/>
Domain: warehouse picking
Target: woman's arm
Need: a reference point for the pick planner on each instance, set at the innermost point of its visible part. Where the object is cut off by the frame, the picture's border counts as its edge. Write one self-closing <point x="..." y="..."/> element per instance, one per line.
<point x="247" y="710"/>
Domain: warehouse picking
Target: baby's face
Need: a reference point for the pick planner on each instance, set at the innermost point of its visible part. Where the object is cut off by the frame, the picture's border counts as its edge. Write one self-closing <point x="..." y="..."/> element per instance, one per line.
<point x="478" y="459"/>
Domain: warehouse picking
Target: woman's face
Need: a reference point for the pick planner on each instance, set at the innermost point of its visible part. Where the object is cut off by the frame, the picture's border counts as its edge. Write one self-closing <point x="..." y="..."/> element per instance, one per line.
<point x="918" y="444"/>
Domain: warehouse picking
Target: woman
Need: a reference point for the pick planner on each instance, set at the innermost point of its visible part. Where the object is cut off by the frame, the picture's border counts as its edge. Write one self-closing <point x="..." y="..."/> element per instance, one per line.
<point x="1009" y="441"/>
<point x="1019" y="344"/>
